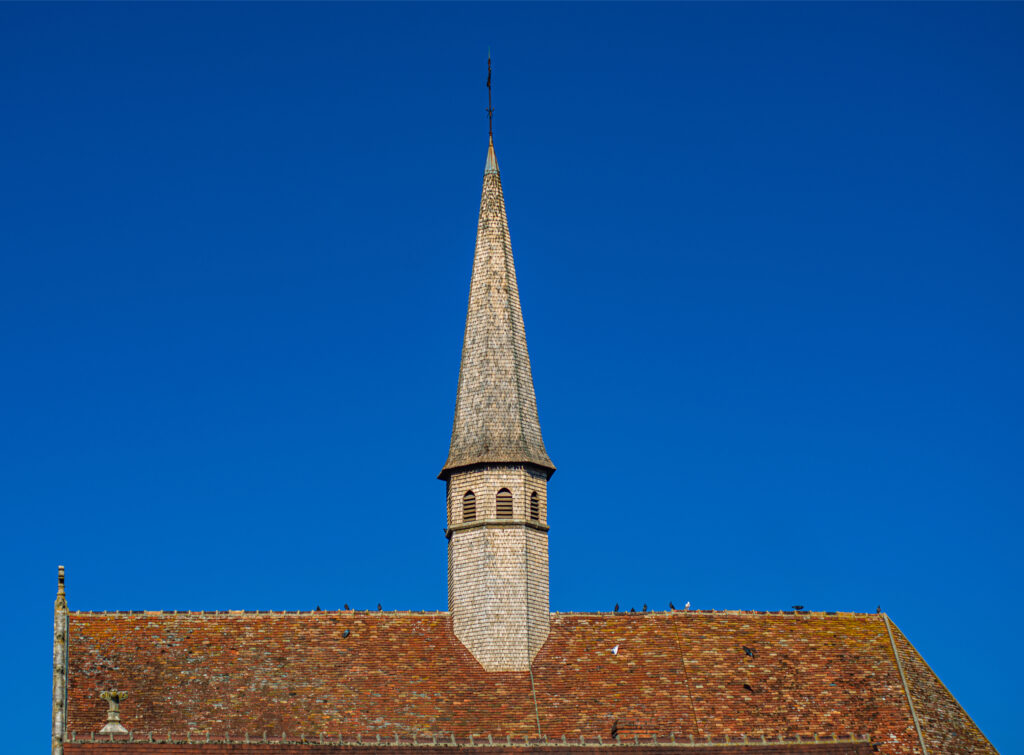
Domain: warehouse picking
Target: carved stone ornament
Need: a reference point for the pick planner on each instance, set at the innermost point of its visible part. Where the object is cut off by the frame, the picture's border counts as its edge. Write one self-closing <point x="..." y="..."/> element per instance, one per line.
<point x="113" y="725"/>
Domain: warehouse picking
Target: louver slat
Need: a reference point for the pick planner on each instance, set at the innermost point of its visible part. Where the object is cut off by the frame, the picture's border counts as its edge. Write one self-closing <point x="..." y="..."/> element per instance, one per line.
<point x="504" y="504"/>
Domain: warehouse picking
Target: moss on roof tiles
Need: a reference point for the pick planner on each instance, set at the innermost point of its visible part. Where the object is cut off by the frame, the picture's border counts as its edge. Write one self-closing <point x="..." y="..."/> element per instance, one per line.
<point x="406" y="673"/>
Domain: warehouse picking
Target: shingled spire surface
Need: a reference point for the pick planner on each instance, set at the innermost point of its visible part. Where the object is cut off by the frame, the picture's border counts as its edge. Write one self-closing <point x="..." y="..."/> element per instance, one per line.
<point x="495" y="409"/>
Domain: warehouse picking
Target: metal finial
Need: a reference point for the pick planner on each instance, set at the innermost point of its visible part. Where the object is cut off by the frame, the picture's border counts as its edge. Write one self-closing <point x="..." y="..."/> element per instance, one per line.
<point x="490" y="110"/>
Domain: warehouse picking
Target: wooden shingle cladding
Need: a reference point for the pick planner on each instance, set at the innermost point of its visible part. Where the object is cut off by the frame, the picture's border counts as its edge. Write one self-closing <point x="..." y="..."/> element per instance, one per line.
<point x="675" y="674"/>
<point x="495" y="408"/>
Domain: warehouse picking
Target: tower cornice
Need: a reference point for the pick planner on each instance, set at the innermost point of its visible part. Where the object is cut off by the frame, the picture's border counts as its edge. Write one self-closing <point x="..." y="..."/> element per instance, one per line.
<point x="496" y="523"/>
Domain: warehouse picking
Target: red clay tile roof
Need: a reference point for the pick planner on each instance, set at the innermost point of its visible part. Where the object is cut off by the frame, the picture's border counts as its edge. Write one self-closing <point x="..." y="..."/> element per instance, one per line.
<point x="675" y="674"/>
<point x="120" y="746"/>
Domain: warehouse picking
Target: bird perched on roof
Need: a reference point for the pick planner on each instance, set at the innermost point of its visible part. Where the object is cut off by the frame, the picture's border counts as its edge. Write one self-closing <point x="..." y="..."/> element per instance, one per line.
<point x="748" y="651"/>
<point x="645" y="608"/>
<point x="615" y="730"/>
<point x="318" y="608"/>
<point x="798" y="608"/>
<point x="346" y="633"/>
<point x="878" y="610"/>
<point x="347" y="608"/>
<point x="632" y="610"/>
<point x="671" y="606"/>
<point x="616" y="609"/>
<point x="687" y="606"/>
<point x="379" y="607"/>
<point x="615" y="650"/>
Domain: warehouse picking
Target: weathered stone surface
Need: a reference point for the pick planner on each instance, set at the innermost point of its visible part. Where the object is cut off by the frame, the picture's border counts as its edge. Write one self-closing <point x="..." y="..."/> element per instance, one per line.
<point x="60" y="648"/>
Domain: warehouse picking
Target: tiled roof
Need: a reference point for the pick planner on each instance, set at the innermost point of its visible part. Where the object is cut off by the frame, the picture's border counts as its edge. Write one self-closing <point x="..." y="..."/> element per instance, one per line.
<point x="495" y="406"/>
<point x="121" y="744"/>
<point x="676" y="674"/>
<point x="326" y="745"/>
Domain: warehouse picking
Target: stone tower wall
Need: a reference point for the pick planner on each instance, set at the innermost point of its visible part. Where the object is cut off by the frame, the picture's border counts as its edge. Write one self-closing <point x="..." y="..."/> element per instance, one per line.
<point x="498" y="568"/>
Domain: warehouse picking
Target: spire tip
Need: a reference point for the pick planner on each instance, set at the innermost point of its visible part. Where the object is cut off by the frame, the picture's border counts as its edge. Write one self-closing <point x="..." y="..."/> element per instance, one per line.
<point x="490" y="110"/>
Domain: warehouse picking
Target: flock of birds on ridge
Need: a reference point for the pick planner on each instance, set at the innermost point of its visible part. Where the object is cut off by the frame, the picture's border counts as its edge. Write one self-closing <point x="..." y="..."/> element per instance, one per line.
<point x="671" y="606"/>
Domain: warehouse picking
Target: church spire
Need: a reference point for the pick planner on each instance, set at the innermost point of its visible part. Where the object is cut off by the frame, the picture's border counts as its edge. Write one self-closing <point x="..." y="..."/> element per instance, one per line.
<point x="497" y="471"/>
<point x="495" y="408"/>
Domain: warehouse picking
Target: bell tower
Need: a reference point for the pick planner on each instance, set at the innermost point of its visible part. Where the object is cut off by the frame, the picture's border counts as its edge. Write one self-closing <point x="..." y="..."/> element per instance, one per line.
<point x="497" y="470"/>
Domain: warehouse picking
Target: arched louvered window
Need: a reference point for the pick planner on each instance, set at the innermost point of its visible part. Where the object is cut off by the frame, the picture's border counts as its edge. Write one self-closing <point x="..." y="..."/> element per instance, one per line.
<point x="534" y="506"/>
<point x="469" y="507"/>
<point x="504" y="504"/>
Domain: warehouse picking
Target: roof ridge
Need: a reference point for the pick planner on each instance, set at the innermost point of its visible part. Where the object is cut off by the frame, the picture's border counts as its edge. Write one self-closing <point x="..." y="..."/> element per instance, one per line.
<point x="715" y="611"/>
<point x="256" y="612"/>
<point x="425" y="612"/>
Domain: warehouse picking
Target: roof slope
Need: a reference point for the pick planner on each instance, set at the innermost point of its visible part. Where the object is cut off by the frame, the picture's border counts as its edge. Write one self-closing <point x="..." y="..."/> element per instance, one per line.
<point x="681" y="673"/>
<point x="120" y="744"/>
<point x="495" y="408"/>
<point x="945" y="725"/>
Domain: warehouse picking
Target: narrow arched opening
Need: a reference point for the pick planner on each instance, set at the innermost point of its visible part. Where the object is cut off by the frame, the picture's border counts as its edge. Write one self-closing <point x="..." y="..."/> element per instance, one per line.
<point x="504" y="504"/>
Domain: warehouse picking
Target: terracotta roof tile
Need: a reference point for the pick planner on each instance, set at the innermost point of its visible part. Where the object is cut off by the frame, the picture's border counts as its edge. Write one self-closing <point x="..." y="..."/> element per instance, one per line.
<point x="160" y="746"/>
<point x="680" y="673"/>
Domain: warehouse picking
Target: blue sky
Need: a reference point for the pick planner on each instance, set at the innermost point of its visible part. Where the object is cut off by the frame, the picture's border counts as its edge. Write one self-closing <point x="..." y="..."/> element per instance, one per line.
<point x="769" y="258"/>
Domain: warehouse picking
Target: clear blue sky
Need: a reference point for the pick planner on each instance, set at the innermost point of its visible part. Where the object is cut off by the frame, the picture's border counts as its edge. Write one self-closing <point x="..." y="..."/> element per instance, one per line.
<point x="770" y="258"/>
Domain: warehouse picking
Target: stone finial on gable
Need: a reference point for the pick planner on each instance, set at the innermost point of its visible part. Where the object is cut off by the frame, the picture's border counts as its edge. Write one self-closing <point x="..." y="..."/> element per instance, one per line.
<point x="113" y="725"/>
<point x="60" y="654"/>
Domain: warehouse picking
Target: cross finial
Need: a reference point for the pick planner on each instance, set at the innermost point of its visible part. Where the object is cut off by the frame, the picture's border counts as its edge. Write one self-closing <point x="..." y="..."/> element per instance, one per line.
<point x="490" y="110"/>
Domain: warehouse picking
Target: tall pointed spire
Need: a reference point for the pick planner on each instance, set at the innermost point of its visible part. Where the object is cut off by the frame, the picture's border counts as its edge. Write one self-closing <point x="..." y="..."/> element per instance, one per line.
<point x="497" y="471"/>
<point x="495" y="409"/>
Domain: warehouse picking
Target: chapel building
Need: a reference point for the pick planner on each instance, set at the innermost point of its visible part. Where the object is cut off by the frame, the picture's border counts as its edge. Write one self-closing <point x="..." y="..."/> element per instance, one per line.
<point x="497" y="672"/>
